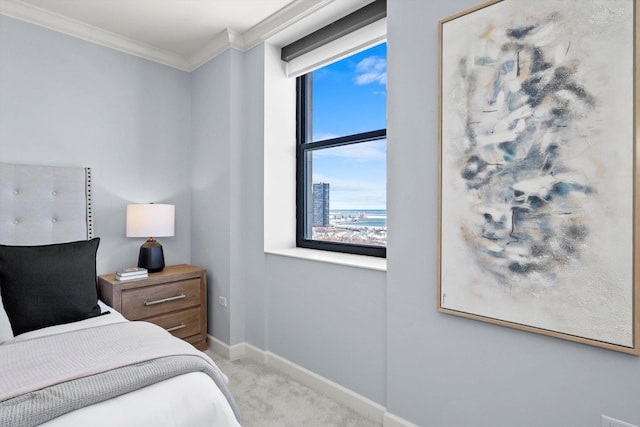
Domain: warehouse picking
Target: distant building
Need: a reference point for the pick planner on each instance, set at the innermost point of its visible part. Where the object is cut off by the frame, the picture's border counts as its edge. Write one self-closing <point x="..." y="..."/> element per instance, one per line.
<point x="320" y="204"/>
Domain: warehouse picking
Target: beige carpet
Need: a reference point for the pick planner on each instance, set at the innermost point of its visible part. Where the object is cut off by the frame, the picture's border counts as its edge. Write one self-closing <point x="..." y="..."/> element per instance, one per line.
<point x="268" y="398"/>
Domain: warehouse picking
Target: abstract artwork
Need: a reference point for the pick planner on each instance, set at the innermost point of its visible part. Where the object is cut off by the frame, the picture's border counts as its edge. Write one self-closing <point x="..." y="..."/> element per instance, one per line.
<point x="537" y="168"/>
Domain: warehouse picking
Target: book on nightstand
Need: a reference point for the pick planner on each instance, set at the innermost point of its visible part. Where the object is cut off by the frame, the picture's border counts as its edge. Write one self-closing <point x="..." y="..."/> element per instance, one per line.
<point x="132" y="273"/>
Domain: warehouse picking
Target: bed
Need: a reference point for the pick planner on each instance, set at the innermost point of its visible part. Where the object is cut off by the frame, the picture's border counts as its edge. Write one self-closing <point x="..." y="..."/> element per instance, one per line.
<point x="66" y="358"/>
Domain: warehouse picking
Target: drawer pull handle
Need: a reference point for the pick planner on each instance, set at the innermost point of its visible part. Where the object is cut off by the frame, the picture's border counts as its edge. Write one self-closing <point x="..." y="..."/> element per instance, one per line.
<point x="160" y="301"/>
<point x="175" y="328"/>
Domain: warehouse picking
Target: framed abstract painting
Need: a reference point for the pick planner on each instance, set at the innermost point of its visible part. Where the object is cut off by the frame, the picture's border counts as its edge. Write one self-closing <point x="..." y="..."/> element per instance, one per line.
<point x="538" y="168"/>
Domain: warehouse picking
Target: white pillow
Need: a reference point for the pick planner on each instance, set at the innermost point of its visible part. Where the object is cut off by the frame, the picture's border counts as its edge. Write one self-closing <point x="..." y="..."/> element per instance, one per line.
<point x="6" y="333"/>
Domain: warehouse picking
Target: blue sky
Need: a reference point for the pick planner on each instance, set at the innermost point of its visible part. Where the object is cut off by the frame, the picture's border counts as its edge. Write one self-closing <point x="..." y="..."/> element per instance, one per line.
<point x="350" y="96"/>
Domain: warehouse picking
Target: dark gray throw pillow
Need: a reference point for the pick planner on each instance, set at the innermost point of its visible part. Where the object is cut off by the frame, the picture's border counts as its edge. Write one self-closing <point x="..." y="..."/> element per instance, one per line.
<point x="49" y="285"/>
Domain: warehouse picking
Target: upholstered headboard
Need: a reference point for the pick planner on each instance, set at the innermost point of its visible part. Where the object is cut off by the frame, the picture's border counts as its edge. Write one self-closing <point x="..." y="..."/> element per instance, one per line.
<point x="44" y="204"/>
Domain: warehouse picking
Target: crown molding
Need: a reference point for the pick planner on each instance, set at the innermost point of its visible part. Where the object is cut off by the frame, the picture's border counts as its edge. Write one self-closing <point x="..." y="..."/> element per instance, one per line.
<point x="285" y="17"/>
<point x="62" y="24"/>
<point x="292" y="13"/>
<point x="213" y="48"/>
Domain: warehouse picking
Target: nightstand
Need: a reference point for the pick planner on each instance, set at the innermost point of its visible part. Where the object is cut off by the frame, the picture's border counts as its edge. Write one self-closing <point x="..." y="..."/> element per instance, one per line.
<point x="175" y="299"/>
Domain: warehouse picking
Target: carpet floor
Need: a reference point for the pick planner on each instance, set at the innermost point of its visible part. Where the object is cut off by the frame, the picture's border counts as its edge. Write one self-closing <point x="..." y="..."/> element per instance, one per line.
<point x="268" y="398"/>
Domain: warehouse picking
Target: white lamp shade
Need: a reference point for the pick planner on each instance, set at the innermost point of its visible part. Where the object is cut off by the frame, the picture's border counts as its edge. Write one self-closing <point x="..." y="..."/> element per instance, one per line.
<point x="150" y="220"/>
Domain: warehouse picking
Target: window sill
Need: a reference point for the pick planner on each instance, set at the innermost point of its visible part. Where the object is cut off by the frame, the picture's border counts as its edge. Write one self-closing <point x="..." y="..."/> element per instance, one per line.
<point x="350" y="260"/>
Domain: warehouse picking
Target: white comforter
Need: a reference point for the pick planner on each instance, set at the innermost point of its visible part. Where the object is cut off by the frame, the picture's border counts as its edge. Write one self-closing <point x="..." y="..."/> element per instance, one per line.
<point x="187" y="400"/>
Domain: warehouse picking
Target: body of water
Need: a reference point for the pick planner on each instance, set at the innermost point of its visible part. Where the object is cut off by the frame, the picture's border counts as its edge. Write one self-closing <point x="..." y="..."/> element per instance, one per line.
<point x="359" y="217"/>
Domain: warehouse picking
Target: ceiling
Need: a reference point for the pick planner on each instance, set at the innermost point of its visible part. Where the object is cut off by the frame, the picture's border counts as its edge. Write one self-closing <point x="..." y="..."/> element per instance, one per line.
<point x="180" y="33"/>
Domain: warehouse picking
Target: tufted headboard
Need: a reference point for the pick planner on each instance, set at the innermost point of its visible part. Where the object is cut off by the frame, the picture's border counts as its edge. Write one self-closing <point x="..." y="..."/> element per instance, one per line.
<point x="44" y="204"/>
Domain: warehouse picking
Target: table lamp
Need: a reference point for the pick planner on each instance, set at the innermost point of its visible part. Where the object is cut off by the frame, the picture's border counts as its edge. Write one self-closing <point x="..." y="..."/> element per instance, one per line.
<point x="151" y="220"/>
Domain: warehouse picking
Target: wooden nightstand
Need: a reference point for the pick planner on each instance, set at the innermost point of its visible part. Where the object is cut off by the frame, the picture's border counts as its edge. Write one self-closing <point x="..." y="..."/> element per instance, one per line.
<point x="175" y="299"/>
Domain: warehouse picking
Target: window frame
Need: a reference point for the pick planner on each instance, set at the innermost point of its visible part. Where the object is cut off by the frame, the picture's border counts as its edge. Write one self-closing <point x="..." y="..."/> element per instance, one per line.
<point x="304" y="182"/>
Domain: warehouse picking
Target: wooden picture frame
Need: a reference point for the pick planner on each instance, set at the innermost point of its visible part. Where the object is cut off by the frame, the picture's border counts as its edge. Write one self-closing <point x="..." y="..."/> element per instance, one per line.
<point x="538" y="168"/>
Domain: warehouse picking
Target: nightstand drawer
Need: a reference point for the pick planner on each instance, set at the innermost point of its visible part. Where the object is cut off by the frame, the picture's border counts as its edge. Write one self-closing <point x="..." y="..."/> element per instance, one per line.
<point x="150" y="301"/>
<point x="181" y="324"/>
<point x="176" y="299"/>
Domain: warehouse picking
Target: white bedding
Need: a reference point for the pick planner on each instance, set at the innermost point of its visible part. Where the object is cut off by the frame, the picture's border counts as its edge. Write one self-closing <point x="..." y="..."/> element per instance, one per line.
<point x="113" y="316"/>
<point x="187" y="400"/>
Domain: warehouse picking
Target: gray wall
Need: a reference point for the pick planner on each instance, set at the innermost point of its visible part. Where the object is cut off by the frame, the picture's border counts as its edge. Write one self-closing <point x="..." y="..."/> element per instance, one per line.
<point x="448" y="371"/>
<point x="217" y="161"/>
<point x="253" y="257"/>
<point x="329" y="319"/>
<point x="380" y="334"/>
<point x="326" y="318"/>
<point x="68" y="102"/>
<point x="211" y="187"/>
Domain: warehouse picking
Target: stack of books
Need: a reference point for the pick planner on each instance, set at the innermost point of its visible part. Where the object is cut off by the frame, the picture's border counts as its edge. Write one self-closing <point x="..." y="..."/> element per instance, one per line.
<point x="132" y="273"/>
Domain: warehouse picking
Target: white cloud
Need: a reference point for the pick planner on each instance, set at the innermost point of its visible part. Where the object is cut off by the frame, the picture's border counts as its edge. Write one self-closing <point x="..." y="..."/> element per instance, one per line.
<point x="361" y="201"/>
<point x="364" y="152"/>
<point x="372" y="69"/>
<point x="351" y="194"/>
<point x="323" y="136"/>
<point x="345" y="185"/>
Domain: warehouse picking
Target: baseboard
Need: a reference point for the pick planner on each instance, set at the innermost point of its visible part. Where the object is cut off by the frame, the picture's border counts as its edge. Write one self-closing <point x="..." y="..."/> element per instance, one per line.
<point x="233" y="352"/>
<point x="335" y="391"/>
<point x="254" y="353"/>
<point x="391" y="420"/>
<point x="358" y="403"/>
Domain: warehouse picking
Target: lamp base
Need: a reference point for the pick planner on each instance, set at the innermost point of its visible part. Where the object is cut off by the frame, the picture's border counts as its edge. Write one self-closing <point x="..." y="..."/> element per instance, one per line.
<point x="151" y="256"/>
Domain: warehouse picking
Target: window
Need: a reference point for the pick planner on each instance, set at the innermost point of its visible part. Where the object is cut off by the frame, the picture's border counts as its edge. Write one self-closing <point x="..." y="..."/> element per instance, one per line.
<point x="341" y="155"/>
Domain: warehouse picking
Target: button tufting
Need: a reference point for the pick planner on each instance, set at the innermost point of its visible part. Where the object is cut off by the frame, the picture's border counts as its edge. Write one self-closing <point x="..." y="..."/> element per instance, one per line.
<point x="53" y="220"/>
<point x="53" y="193"/>
<point x="15" y="192"/>
<point x="15" y="221"/>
